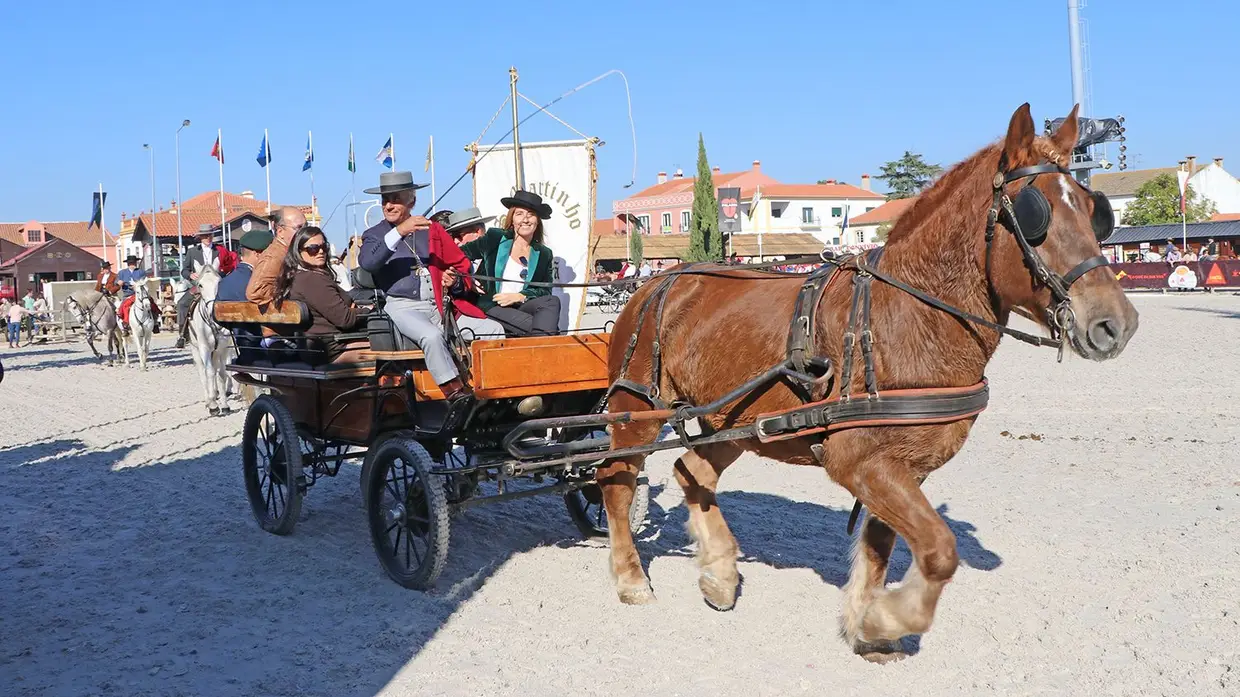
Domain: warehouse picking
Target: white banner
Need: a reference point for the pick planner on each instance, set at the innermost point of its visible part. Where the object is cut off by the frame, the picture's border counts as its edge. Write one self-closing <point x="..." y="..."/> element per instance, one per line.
<point x="561" y="172"/>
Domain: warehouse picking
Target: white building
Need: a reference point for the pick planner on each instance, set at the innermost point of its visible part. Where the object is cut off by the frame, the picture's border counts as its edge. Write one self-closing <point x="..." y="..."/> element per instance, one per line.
<point x="816" y="209"/>
<point x="865" y="226"/>
<point x="1211" y="181"/>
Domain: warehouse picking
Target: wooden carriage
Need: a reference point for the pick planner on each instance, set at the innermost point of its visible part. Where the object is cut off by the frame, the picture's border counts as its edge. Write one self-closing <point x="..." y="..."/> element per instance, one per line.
<point x="385" y="410"/>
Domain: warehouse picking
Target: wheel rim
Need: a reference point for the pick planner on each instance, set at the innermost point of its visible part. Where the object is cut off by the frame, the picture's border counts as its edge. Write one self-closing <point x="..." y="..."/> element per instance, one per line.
<point x="406" y="518"/>
<point x="272" y="461"/>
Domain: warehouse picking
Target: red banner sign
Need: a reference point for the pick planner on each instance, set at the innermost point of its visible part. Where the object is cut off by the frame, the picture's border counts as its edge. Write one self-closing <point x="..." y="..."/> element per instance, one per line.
<point x="1180" y="275"/>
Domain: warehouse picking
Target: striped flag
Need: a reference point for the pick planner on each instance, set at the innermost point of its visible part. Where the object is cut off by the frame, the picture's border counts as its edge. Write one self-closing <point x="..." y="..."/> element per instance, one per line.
<point x="217" y="151"/>
<point x="385" y="154"/>
<point x="1182" y="176"/>
<point x="309" y="154"/>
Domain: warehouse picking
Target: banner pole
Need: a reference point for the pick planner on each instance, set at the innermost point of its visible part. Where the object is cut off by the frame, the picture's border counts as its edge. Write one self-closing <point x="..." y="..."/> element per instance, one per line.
<point x="103" y="228"/>
<point x="392" y="137"/>
<point x="219" y="136"/>
<point x="433" y="196"/>
<point x="516" y="130"/>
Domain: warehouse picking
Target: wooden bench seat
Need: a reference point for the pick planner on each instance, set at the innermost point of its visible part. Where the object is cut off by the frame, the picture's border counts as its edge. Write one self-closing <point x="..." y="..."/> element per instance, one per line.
<point x="290" y="314"/>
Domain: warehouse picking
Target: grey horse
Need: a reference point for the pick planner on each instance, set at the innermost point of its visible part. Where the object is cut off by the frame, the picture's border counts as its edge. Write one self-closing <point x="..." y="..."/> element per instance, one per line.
<point x="98" y="317"/>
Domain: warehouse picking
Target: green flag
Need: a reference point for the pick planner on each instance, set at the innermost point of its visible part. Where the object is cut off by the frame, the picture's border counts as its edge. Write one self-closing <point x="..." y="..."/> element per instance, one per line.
<point x="352" y="164"/>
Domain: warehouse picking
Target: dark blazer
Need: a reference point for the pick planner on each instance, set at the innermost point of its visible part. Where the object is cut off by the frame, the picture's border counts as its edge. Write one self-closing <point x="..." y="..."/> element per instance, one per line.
<point x="232" y="286"/>
<point x="394" y="271"/>
<point x="493" y="249"/>
<point x="332" y="310"/>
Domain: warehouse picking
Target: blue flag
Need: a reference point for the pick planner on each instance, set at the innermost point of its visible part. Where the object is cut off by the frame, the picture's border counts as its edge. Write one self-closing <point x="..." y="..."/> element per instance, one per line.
<point x="264" y="152"/>
<point x="385" y="155"/>
<point x="309" y="155"/>
<point x="96" y="216"/>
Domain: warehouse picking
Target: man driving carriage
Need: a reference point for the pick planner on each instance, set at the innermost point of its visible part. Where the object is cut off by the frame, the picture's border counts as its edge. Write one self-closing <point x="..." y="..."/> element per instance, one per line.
<point x="128" y="278"/>
<point x="414" y="260"/>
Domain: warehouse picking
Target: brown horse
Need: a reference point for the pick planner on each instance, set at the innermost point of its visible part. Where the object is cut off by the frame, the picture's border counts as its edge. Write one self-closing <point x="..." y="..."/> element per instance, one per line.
<point x="722" y="328"/>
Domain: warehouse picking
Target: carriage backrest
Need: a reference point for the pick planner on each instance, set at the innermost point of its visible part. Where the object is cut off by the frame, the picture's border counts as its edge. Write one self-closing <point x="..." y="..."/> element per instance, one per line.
<point x="291" y="314"/>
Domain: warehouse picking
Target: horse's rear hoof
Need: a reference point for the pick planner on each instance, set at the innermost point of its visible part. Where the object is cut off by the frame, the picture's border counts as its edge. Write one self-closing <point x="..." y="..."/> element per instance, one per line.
<point x="637" y="596"/>
<point x="214" y="411"/>
<point x="881" y="651"/>
<point x="718" y="595"/>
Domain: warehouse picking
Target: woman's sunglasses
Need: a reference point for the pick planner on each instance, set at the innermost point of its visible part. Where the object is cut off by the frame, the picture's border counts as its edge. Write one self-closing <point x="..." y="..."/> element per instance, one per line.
<point x="525" y="267"/>
<point x="313" y="249"/>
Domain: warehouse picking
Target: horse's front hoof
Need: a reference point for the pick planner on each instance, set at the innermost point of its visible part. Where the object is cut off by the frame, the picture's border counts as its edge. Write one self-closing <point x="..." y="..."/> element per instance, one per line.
<point x="214" y="411"/>
<point x="880" y="651"/>
<point x="642" y="595"/>
<point x="719" y="594"/>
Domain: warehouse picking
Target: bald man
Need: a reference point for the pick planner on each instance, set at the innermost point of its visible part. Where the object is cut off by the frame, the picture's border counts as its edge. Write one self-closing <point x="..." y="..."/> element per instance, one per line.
<point x="262" y="287"/>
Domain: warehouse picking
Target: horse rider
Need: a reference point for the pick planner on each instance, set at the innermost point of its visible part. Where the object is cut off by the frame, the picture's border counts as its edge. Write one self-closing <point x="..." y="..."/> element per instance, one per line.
<point x="107" y="283"/>
<point x="286" y="223"/>
<point x="130" y="276"/>
<point x="414" y="261"/>
<point x="205" y="253"/>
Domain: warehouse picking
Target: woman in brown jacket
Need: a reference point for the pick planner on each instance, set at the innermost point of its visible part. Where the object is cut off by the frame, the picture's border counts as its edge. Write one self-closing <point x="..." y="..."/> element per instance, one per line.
<point x="306" y="276"/>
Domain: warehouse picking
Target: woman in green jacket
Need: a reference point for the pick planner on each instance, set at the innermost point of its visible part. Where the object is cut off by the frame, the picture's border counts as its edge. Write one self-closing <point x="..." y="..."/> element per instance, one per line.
<point x="517" y="255"/>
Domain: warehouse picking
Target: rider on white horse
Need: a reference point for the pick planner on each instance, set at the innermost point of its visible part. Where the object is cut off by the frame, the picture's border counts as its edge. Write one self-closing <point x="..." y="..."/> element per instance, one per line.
<point x="205" y="253"/>
<point x="129" y="277"/>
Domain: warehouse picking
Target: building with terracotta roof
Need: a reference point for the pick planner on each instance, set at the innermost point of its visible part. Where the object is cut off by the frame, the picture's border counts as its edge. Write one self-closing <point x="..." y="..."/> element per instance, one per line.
<point x="54" y="259"/>
<point x="91" y="239"/>
<point x="767" y="207"/>
<point x="1211" y="181"/>
<point x="865" y="226"/>
<point x="242" y="213"/>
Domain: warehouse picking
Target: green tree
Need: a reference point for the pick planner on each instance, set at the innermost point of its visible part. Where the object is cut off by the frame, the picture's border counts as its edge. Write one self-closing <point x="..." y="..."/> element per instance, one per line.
<point x="880" y="235"/>
<point x="1158" y="202"/>
<point x="908" y="175"/>
<point x="705" y="240"/>
<point x="635" y="245"/>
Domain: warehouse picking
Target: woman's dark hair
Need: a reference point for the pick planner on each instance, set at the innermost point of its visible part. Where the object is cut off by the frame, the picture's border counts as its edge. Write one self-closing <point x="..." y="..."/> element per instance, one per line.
<point x="293" y="263"/>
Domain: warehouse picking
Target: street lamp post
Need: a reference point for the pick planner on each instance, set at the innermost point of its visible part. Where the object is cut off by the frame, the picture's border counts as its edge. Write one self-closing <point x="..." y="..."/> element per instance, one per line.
<point x="156" y="257"/>
<point x="180" y="212"/>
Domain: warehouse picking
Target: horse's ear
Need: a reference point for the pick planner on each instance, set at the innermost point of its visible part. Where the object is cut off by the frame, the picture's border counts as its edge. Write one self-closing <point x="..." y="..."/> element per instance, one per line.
<point x="1019" y="139"/>
<point x="1065" y="137"/>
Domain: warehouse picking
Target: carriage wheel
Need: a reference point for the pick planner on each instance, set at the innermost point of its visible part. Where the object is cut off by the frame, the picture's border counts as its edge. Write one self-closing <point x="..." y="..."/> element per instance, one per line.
<point x="271" y="463"/>
<point x="407" y="512"/>
<point x="585" y="505"/>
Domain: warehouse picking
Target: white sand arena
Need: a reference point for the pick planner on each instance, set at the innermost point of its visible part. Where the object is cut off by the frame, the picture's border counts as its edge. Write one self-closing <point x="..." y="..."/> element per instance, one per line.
<point x="1096" y="508"/>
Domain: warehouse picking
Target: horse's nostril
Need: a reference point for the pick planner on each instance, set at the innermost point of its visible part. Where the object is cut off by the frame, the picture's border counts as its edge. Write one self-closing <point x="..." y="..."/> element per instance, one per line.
<point x="1104" y="335"/>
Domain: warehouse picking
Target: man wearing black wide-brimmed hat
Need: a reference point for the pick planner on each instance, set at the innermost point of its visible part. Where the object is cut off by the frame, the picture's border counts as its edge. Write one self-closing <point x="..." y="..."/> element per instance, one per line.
<point x="414" y="261"/>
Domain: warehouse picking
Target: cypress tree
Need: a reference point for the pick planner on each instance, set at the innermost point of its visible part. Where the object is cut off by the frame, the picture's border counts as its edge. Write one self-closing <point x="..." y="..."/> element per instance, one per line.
<point x="635" y="246"/>
<point x="705" y="240"/>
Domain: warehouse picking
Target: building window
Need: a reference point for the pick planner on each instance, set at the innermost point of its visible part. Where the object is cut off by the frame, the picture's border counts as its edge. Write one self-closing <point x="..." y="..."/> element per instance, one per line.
<point x="34" y="235"/>
<point x="837" y="212"/>
<point x="807" y="215"/>
<point x="869" y="208"/>
<point x="667" y="223"/>
<point x="835" y="240"/>
<point x="643" y="222"/>
<point x="684" y="221"/>
<point x="776" y="212"/>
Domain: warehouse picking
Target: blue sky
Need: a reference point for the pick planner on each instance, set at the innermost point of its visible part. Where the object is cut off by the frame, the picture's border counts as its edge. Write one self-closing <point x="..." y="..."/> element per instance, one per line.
<point x="814" y="90"/>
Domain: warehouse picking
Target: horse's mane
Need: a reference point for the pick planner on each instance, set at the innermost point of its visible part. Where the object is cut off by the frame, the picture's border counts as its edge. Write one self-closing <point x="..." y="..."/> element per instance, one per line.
<point x="86" y="296"/>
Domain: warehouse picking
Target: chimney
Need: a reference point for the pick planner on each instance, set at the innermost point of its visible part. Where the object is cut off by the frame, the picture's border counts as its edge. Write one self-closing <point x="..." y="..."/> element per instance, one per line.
<point x="715" y="170"/>
<point x="680" y="174"/>
<point x="757" y="165"/>
<point x="247" y="194"/>
<point x="1183" y="165"/>
<point x="662" y="177"/>
<point x="865" y="182"/>
<point x="1219" y="161"/>
<point x="1192" y="164"/>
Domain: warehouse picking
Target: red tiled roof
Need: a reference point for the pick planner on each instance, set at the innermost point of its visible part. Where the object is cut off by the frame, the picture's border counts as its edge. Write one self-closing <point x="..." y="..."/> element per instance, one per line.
<point x="685" y="184"/>
<point x="12" y="233"/>
<point x="885" y="213"/>
<point x="822" y="191"/>
<point x="73" y="232"/>
<point x="1224" y="217"/>
<point x="204" y="209"/>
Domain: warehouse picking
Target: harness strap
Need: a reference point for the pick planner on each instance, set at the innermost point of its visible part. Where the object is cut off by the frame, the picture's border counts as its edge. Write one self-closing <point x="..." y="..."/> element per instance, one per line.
<point x="801" y="331"/>
<point x="867" y="336"/>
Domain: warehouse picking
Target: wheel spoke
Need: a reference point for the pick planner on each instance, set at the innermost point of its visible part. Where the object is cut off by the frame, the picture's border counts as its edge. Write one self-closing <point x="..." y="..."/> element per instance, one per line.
<point x="408" y="543"/>
<point x="396" y="545"/>
<point x="389" y="528"/>
<point x="418" y="555"/>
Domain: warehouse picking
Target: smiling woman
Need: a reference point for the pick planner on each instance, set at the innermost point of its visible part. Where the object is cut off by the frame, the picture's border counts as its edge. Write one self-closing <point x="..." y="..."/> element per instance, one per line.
<point x="517" y="255"/>
<point x="307" y="278"/>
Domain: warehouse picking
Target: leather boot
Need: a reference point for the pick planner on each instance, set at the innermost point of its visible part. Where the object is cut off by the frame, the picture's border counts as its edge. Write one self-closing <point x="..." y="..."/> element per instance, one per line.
<point x="460" y="398"/>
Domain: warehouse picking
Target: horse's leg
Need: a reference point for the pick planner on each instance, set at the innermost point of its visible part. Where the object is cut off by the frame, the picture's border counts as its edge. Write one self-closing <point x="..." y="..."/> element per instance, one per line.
<point x="618" y="480"/>
<point x="893" y="495"/>
<point x="698" y="472"/>
<point x="870" y="555"/>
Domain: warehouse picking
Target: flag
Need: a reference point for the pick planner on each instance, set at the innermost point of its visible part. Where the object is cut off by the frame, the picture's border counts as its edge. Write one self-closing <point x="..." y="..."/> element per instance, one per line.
<point x="216" y="151"/>
<point x="430" y="155"/>
<point x="844" y="225"/>
<point x="352" y="162"/>
<point x="96" y="216"/>
<point x="753" y="204"/>
<point x="385" y="155"/>
<point x="264" y="152"/>
<point x="1182" y="176"/>
<point x="309" y="155"/>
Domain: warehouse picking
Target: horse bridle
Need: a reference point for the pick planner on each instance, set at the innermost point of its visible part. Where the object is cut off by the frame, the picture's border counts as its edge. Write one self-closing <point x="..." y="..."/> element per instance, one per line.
<point x="1060" y="316"/>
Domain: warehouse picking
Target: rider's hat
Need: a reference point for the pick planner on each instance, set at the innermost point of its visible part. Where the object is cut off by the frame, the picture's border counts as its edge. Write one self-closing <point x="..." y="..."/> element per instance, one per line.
<point x="105" y="264"/>
<point x="529" y="201"/>
<point x="205" y="229"/>
<point x="256" y="239"/>
<point x="131" y="259"/>
<point x="466" y="218"/>
<point x="391" y="182"/>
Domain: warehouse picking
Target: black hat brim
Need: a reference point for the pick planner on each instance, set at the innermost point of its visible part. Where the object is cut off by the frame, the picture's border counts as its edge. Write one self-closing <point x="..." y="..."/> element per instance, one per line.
<point x="543" y="211"/>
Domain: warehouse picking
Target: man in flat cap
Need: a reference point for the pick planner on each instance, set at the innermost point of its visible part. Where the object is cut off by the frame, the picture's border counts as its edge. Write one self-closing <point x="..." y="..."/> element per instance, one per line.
<point x="253" y="243"/>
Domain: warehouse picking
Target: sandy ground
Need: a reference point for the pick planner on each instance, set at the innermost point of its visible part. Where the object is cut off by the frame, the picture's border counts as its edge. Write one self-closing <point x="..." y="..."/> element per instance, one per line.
<point x="1096" y="508"/>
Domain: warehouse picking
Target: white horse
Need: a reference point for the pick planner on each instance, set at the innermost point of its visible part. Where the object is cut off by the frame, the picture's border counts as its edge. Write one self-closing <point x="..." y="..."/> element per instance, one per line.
<point x="98" y="317"/>
<point x="209" y="344"/>
<point x="141" y="321"/>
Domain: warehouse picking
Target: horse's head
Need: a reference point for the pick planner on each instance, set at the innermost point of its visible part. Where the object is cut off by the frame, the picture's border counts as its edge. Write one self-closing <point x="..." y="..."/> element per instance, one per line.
<point x="208" y="283"/>
<point x="1044" y="257"/>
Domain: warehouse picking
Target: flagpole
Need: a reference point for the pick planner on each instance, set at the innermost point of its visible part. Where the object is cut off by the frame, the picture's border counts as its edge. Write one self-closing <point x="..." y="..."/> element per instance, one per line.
<point x="310" y="146"/>
<point x="103" y="228"/>
<point x="219" y="138"/>
<point x="353" y="183"/>
<point x="392" y="137"/>
<point x="267" y="168"/>
<point x="433" y="197"/>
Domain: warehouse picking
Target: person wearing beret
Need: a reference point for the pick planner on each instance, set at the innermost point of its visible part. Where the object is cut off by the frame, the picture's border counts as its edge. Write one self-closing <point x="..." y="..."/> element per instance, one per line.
<point x="253" y="243"/>
<point x="128" y="277"/>
<point x="517" y="254"/>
